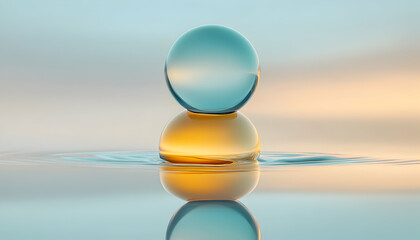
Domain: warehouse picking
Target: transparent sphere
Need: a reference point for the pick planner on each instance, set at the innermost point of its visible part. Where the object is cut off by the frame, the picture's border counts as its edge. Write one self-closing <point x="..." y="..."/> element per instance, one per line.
<point x="210" y="182"/>
<point x="213" y="220"/>
<point x="209" y="138"/>
<point x="212" y="69"/>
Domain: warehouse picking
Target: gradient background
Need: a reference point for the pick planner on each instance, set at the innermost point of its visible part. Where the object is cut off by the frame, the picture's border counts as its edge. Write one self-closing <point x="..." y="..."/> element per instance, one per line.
<point x="340" y="77"/>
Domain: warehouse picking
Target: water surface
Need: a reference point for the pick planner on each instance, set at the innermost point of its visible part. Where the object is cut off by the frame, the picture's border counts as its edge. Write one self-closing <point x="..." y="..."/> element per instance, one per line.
<point x="118" y="195"/>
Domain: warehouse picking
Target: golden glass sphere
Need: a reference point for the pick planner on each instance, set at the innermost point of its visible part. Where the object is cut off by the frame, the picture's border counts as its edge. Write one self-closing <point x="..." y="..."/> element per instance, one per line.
<point x="209" y="138"/>
<point x="210" y="182"/>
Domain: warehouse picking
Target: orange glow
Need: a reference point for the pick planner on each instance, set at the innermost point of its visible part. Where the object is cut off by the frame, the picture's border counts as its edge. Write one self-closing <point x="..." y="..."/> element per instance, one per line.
<point x="344" y="178"/>
<point x="207" y="182"/>
<point x="355" y="95"/>
<point x="209" y="138"/>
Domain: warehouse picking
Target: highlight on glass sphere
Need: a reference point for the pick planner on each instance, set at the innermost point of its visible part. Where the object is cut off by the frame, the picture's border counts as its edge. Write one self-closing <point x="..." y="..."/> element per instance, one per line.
<point x="210" y="182"/>
<point x="212" y="69"/>
<point x="209" y="138"/>
<point x="208" y="220"/>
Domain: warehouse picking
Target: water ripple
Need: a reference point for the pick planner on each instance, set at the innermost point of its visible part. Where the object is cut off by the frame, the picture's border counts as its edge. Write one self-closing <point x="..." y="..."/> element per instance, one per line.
<point x="150" y="159"/>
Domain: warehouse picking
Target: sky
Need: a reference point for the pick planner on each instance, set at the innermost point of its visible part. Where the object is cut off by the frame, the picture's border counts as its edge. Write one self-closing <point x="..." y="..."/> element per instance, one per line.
<point x="336" y="76"/>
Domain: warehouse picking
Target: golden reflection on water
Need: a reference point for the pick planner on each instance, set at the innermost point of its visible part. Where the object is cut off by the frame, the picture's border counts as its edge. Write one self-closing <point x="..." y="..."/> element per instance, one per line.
<point x="206" y="220"/>
<point x="210" y="182"/>
<point x="209" y="138"/>
<point x="349" y="178"/>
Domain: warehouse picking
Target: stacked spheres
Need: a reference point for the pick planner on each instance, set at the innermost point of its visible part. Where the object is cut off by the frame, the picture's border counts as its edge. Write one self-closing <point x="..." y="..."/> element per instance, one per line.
<point x="212" y="71"/>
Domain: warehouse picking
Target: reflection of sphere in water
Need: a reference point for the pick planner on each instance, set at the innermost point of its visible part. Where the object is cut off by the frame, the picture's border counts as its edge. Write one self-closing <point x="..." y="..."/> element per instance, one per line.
<point x="209" y="138"/>
<point x="210" y="182"/>
<point x="212" y="69"/>
<point x="208" y="220"/>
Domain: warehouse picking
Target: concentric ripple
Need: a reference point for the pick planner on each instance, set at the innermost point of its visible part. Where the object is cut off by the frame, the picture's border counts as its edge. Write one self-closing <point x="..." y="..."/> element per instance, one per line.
<point x="128" y="159"/>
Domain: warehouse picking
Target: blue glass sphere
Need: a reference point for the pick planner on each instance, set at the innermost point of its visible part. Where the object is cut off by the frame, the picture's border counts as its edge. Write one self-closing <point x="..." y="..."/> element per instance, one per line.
<point x="212" y="69"/>
<point x="213" y="220"/>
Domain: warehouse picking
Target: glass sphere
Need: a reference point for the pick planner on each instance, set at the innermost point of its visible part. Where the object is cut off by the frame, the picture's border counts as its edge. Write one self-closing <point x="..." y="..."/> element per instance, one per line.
<point x="209" y="138"/>
<point x="213" y="220"/>
<point x="210" y="182"/>
<point x="212" y="69"/>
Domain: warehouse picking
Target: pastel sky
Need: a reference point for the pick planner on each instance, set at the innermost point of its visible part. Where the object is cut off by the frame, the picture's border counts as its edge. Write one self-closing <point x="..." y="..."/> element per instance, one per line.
<point x="335" y="76"/>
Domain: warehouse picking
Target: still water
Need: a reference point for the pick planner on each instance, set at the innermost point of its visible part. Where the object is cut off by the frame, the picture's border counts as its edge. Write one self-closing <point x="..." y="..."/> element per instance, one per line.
<point x="135" y="195"/>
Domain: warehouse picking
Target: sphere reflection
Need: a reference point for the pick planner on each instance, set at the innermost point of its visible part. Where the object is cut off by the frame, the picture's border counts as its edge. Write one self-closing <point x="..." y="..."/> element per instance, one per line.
<point x="208" y="220"/>
<point x="209" y="138"/>
<point x="207" y="182"/>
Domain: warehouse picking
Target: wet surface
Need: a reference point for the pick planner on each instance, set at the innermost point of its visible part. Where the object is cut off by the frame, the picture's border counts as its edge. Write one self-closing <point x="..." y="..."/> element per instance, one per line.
<point x="121" y="194"/>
